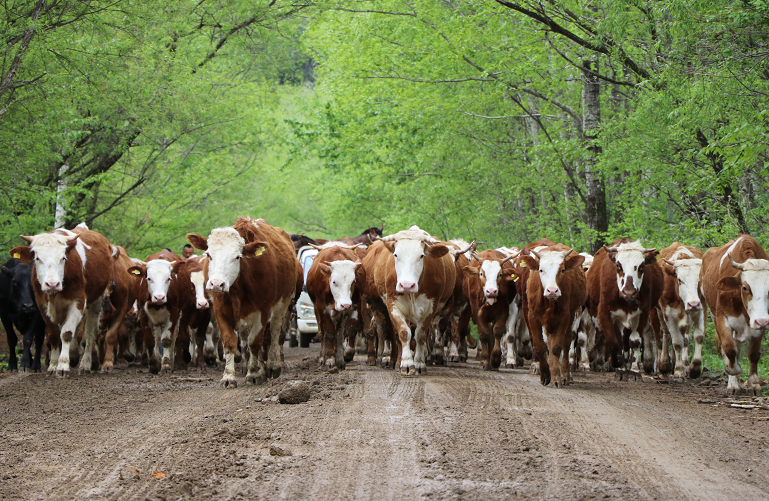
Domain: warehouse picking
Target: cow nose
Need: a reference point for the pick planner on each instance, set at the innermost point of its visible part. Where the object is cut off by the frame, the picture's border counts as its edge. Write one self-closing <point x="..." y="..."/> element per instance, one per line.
<point x="344" y="306"/>
<point x="202" y="305"/>
<point x="761" y="323"/>
<point x="693" y="305"/>
<point x="53" y="285"/>
<point x="215" y="285"/>
<point x="159" y="298"/>
<point x="492" y="292"/>
<point x="407" y="286"/>
<point x="553" y="291"/>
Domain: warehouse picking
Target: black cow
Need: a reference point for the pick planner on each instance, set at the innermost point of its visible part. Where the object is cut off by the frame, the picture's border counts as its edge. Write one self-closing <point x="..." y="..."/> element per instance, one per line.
<point x="18" y="309"/>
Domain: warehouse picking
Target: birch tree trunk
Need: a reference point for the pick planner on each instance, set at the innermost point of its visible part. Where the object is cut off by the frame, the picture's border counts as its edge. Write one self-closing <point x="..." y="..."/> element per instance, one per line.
<point x="595" y="210"/>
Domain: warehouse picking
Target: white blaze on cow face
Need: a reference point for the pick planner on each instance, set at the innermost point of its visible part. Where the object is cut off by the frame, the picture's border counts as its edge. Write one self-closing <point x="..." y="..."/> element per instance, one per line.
<point x="50" y="251"/>
<point x="688" y="275"/>
<point x="630" y="260"/>
<point x="489" y="277"/>
<point x="158" y="279"/>
<point x="225" y="250"/>
<point x="198" y="282"/>
<point x="755" y="292"/>
<point x="550" y="265"/>
<point x="409" y="262"/>
<point x="341" y="280"/>
<point x="588" y="262"/>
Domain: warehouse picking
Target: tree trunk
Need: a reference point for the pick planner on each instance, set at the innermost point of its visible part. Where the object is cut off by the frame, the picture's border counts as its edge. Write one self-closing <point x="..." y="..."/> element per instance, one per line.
<point x="61" y="187"/>
<point x="596" y="212"/>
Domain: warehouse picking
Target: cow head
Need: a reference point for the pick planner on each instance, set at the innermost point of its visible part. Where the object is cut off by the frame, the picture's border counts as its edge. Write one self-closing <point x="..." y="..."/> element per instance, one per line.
<point x="341" y="281"/>
<point x="630" y="260"/>
<point x="49" y="253"/>
<point x="158" y="273"/>
<point x="491" y="275"/>
<point x="551" y="265"/>
<point x="588" y="262"/>
<point x="224" y="249"/>
<point x="687" y="275"/>
<point x="22" y="293"/>
<point x="409" y="249"/>
<point x="753" y="284"/>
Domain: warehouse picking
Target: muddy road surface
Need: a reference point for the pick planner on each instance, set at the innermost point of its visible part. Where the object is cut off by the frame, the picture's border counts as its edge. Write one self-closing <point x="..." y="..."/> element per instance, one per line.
<point x="368" y="433"/>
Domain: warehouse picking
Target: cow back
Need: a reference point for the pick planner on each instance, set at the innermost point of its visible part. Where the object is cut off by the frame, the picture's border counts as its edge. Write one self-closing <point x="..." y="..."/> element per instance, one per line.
<point x="716" y="265"/>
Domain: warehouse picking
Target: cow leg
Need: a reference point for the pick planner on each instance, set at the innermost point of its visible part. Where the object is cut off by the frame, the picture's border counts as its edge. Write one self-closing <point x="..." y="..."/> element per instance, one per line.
<point x="68" y="332"/>
<point x="729" y="348"/>
<point x="38" y="332"/>
<point x="339" y="341"/>
<point x="90" y="326"/>
<point x="611" y="337"/>
<point x="168" y="340"/>
<point x="540" y="348"/>
<point x="275" y="355"/>
<point x="55" y="350"/>
<point x="511" y="357"/>
<point x="403" y="330"/>
<point x="495" y="357"/>
<point x="210" y="354"/>
<point x="753" y="384"/>
<point x="13" y="340"/>
<point x="698" y="323"/>
<point x="257" y="371"/>
<point x="674" y="328"/>
<point x="421" y="332"/>
<point x="560" y="341"/>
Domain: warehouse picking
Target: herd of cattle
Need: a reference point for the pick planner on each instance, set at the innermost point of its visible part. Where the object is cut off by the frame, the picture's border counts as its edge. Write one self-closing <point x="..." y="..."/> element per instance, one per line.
<point x="410" y="295"/>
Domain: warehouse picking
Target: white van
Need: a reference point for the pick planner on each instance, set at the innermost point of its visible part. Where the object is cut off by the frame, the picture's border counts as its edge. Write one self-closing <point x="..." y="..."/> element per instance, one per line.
<point x="305" y="312"/>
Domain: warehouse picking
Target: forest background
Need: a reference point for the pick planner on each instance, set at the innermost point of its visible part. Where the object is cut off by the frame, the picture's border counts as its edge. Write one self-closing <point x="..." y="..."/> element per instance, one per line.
<point x="497" y="121"/>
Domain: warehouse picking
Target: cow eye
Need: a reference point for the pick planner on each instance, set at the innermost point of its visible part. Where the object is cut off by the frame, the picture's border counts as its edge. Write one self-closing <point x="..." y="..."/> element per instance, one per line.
<point x="395" y="256"/>
<point x="680" y="282"/>
<point x="38" y="260"/>
<point x="333" y="283"/>
<point x="238" y="257"/>
<point x="563" y="270"/>
<point x="149" y="279"/>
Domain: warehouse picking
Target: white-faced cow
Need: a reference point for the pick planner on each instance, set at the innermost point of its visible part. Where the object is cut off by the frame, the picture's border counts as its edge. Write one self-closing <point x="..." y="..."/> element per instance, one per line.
<point x="73" y="270"/>
<point x="624" y="284"/>
<point x="415" y="276"/>
<point x="253" y="274"/>
<point x="556" y="291"/>
<point x="734" y="280"/>
<point x="194" y="310"/>
<point x="333" y="286"/>
<point x="489" y="286"/>
<point x="682" y="307"/>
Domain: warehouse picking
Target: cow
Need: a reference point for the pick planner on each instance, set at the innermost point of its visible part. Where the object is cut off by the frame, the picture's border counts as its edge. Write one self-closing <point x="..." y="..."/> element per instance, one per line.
<point x="682" y="307"/>
<point x="556" y="290"/>
<point x="461" y="314"/>
<point x="253" y="276"/>
<point x="18" y="311"/>
<point x="158" y="296"/>
<point x="300" y="241"/>
<point x="415" y="276"/>
<point x="194" y="310"/>
<point x="734" y="280"/>
<point x="333" y="286"/>
<point x="367" y="237"/>
<point x="490" y="289"/>
<point x="624" y="284"/>
<point x="378" y="327"/>
<point x="516" y="341"/>
<point x="73" y="270"/>
<point x="583" y="341"/>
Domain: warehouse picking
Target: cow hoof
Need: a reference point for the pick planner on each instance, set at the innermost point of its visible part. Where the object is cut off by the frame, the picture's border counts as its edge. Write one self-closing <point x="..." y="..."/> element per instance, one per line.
<point x="544" y="379"/>
<point x="62" y="374"/>
<point x="106" y="369"/>
<point x="695" y="370"/>
<point x="273" y="373"/>
<point x="410" y="370"/>
<point x="154" y="368"/>
<point x="462" y="360"/>
<point x="255" y="379"/>
<point x="81" y="371"/>
<point x="510" y="365"/>
<point x="534" y="369"/>
<point x="228" y="383"/>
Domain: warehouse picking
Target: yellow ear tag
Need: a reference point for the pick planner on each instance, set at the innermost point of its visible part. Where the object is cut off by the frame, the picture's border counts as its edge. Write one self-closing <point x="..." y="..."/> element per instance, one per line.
<point x="16" y="255"/>
<point x="523" y="264"/>
<point x="323" y="271"/>
<point x="136" y="272"/>
<point x="515" y="279"/>
<point x="259" y="251"/>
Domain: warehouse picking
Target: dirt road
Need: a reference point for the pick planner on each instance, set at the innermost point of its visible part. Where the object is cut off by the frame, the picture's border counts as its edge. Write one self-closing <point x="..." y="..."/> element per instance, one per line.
<point x="366" y="433"/>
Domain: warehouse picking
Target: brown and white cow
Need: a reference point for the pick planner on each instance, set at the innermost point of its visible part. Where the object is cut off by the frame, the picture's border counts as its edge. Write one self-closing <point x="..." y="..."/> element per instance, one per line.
<point x="378" y="326"/>
<point x="120" y="300"/>
<point x="583" y="340"/>
<point x="194" y="309"/>
<point x="734" y="280"/>
<point x="157" y="295"/>
<point x="73" y="270"/>
<point x="415" y="276"/>
<point x="624" y="284"/>
<point x="556" y="291"/>
<point x="490" y="288"/>
<point x="252" y="274"/>
<point x="516" y="342"/>
<point x="682" y="307"/>
<point x="333" y="286"/>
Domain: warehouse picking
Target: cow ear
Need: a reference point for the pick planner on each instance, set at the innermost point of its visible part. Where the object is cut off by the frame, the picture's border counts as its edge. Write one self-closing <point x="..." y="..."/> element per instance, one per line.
<point x="254" y="249"/>
<point x="390" y="246"/>
<point x="472" y="271"/>
<point x="651" y="257"/>
<point x="530" y="262"/>
<point x="612" y="256"/>
<point x="574" y="261"/>
<point x="200" y="243"/>
<point x="138" y="271"/>
<point x="5" y="271"/>
<point x="357" y="263"/>
<point x="23" y="254"/>
<point x="437" y="251"/>
<point x="670" y="270"/>
<point x="176" y="266"/>
<point x="728" y="284"/>
<point x="324" y="268"/>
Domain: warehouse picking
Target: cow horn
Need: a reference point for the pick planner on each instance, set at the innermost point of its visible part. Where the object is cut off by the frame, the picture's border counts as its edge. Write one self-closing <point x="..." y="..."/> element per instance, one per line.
<point x="476" y="257"/>
<point x="535" y="254"/>
<point x="611" y="249"/>
<point x="388" y="238"/>
<point x="668" y="262"/>
<point x="567" y="253"/>
<point x="508" y="258"/>
<point x="650" y="250"/>
<point x="430" y="240"/>
<point x="314" y="246"/>
<point x="27" y="239"/>
<point x="739" y="266"/>
<point x="468" y="248"/>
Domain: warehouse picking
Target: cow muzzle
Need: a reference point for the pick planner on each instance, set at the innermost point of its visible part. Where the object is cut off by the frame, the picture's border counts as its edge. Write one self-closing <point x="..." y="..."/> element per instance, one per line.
<point x="406" y="287"/>
<point x="28" y="307"/>
<point x="343" y="306"/>
<point x="693" y="306"/>
<point x="216" y="286"/>
<point x="552" y="293"/>
<point x="202" y="305"/>
<point x="159" y="299"/>
<point x="51" y="287"/>
<point x="629" y="294"/>
<point x="760" y="323"/>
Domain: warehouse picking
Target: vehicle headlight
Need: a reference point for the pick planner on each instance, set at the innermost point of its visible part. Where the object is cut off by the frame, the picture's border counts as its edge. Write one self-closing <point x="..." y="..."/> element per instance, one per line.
<point x="306" y="310"/>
